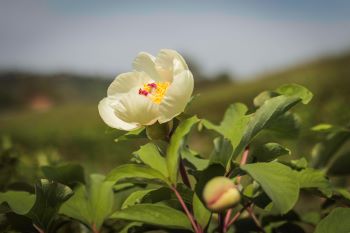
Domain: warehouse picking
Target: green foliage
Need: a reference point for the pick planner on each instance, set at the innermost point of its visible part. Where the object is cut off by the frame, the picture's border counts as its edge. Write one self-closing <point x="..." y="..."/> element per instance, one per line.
<point x="323" y="151"/>
<point x="172" y="154"/>
<point x="19" y="202"/>
<point x="42" y="208"/>
<point x="233" y="123"/>
<point x="278" y="181"/>
<point x="67" y="174"/>
<point x="295" y="90"/>
<point x="137" y="173"/>
<point x="336" y="221"/>
<point x="146" y="194"/>
<point x="150" y="155"/>
<point x="158" y="215"/>
<point x="265" y="116"/>
<point x="222" y="151"/>
<point x="49" y="196"/>
<point x="200" y="212"/>
<point x="91" y="204"/>
<point x="269" y="152"/>
<point x="310" y="178"/>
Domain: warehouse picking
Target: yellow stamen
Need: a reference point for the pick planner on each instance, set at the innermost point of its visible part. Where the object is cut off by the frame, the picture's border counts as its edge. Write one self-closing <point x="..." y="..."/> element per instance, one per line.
<point x="155" y="91"/>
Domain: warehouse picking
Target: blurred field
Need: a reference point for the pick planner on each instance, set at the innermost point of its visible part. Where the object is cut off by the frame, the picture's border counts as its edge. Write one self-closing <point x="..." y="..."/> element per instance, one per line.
<point x="59" y="113"/>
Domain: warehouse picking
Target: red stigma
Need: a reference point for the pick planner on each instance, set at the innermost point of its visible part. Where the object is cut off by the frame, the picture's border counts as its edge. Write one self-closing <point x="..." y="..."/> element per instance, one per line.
<point x="143" y="92"/>
<point x="153" y="85"/>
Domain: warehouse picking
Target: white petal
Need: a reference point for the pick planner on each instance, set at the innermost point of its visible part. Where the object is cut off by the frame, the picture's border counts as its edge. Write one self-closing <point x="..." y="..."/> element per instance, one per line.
<point x="108" y="116"/>
<point x="135" y="108"/>
<point x="177" y="96"/>
<point x="126" y="82"/>
<point x="170" y="63"/>
<point x="144" y="62"/>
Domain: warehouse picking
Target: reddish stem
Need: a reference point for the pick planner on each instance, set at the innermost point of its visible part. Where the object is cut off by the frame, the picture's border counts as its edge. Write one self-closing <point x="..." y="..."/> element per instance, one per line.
<point x="234" y="219"/>
<point x="196" y="228"/>
<point x="38" y="229"/>
<point x="227" y="217"/>
<point x="227" y="222"/>
<point x="255" y="219"/>
<point x="243" y="161"/>
<point x="184" y="175"/>
<point x="94" y="229"/>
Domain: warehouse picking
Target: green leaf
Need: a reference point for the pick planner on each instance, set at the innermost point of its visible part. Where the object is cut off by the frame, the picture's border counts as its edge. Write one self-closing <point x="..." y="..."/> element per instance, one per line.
<point x="149" y="154"/>
<point x="323" y="128"/>
<point x="137" y="173"/>
<point x="129" y="227"/>
<point x="49" y="196"/>
<point x="201" y="213"/>
<point x="263" y="96"/>
<point x="78" y="206"/>
<point x="310" y="178"/>
<point x="269" y="152"/>
<point x="67" y="174"/>
<point x="92" y="204"/>
<point x="264" y="117"/>
<point x="232" y="125"/>
<point x="193" y="159"/>
<point x="336" y="222"/>
<point x="311" y="217"/>
<point x="287" y="125"/>
<point x="173" y="151"/>
<point x="135" y="197"/>
<point x="135" y="134"/>
<point x="342" y="195"/>
<point x="323" y="152"/>
<point x="222" y="152"/>
<point x="297" y="164"/>
<point x="278" y="181"/>
<point x="20" y="202"/>
<point x="295" y="90"/>
<point x="158" y="215"/>
<point x="343" y="192"/>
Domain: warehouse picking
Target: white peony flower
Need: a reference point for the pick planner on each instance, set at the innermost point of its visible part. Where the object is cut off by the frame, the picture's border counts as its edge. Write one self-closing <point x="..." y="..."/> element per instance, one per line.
<point x="158" y="89"/>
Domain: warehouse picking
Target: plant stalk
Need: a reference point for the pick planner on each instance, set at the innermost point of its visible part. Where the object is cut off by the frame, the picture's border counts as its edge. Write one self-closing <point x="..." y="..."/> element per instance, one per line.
<point x="255" y="219"/>
<point x="243" y="161"/>
<point x="94" y="230"/>
<point x="234" y="219"/>
<point x="38" y="229"/>
<point x="196" y="228"/>
<point x="227" y="222"/>
<point x="184" y="175"/>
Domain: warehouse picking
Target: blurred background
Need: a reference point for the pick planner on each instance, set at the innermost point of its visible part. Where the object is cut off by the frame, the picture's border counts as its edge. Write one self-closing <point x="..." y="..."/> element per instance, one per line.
<point x="58" y="57"/>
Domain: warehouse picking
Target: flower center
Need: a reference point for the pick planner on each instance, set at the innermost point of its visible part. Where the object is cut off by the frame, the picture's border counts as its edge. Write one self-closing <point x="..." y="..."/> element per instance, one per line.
<point x="155" y="91"/>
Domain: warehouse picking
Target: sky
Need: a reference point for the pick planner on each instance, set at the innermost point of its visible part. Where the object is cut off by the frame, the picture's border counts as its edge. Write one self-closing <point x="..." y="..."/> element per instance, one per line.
<point x="243" y="37"/>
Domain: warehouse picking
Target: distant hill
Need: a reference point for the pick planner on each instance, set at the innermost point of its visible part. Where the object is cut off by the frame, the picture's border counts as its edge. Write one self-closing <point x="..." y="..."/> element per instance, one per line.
<point x="17" y="89"/>
<point x="328" y="78"/>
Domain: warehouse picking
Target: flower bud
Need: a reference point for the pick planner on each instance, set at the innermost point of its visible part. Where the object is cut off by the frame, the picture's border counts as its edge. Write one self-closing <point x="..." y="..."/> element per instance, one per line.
<point x="220" y="193"/>
<point x="159" y="131"/>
